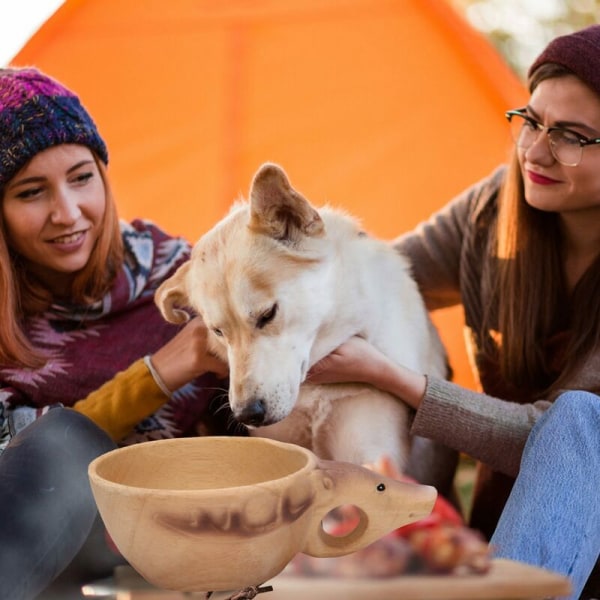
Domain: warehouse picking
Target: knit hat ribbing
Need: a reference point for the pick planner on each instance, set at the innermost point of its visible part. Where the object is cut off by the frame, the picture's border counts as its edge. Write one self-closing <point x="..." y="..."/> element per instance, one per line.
<point x="578" y="52"/>
<point x="37" y="112"/>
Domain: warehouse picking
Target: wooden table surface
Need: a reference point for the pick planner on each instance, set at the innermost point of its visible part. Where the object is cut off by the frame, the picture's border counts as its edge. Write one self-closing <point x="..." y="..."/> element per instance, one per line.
<point x="507" y="580"/>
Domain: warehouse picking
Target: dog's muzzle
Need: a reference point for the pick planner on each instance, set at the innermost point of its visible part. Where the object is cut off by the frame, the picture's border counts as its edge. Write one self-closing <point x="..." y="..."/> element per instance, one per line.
<point x="254" y="414"/>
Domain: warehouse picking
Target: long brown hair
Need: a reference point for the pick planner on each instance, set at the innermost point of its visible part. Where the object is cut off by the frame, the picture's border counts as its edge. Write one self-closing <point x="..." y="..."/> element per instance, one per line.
<point x="22" y="296"/>
<point x="533" y="300"/>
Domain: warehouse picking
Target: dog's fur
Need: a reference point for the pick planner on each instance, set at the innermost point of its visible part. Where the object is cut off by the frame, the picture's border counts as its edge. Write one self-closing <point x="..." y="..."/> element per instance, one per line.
<point x="280" y="285"/>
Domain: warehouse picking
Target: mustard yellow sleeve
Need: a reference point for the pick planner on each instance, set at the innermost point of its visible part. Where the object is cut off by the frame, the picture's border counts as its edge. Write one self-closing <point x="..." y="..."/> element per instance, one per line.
<point x="129" y="397"/>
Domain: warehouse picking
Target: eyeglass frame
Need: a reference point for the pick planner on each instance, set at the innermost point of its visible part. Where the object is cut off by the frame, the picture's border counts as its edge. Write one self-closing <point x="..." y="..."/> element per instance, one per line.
<point x="582" y="139"/>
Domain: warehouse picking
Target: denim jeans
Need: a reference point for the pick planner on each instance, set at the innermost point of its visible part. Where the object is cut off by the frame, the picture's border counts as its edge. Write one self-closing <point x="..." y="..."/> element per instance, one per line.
<point x="552" y="517"/>
<point x="46" y="505"/>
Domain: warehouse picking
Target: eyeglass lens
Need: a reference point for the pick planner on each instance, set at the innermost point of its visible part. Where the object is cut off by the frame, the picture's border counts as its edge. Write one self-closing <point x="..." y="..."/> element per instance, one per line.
<point x="565" y="147"/>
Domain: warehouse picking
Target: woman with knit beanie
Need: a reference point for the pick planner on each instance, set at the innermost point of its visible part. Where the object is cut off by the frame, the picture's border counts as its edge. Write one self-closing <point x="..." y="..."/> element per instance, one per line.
<point x="86" y="360"/>
<point x="520" y="251"/>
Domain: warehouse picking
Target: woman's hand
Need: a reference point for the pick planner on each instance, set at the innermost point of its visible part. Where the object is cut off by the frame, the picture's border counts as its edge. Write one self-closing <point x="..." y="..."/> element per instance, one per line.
<point x="187" y="356"/>
<point x="356" y="360"/>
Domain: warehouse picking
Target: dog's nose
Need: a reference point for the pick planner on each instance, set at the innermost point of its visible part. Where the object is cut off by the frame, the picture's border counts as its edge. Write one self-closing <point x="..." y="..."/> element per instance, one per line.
<point x="253" y="414"/>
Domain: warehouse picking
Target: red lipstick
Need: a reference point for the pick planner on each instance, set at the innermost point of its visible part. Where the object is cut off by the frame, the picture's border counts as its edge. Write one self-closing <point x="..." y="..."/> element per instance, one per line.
<point x="541" y="179"/>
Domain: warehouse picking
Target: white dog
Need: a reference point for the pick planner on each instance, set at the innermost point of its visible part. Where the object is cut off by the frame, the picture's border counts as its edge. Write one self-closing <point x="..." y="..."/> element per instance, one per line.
<point x="280" y="285"/>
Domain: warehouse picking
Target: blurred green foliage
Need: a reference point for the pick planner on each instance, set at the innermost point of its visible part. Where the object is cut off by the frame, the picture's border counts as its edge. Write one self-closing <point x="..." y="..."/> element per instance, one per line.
<point x="520" y="29"/>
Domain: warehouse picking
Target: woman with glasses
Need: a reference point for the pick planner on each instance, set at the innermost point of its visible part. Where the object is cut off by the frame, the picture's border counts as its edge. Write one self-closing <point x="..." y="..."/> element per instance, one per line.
<point x="520" y="251"/>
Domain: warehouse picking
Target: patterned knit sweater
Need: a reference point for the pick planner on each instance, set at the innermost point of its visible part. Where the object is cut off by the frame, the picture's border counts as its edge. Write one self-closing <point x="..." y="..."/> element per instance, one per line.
<point x="450" y="260"/>
<point x="96" y="354"/>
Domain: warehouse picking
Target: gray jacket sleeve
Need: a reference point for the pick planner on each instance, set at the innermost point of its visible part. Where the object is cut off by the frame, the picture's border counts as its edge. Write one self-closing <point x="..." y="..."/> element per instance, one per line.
<point x="491" y="430"/>
<point x="435" y="247"/>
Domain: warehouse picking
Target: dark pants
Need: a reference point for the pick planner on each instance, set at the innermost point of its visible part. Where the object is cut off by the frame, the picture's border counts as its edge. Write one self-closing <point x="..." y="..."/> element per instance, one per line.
<point x="47" y="509"/>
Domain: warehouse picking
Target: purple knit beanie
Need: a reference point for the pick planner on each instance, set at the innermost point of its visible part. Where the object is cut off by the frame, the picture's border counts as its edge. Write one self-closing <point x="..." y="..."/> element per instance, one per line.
<point x="37" y="112"/>
<point x="578" y="52"/>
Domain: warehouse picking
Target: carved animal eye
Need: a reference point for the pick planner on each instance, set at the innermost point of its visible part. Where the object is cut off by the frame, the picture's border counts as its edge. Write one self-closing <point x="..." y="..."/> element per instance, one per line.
<point x="267" y="316"/>
<point x="218" y="332"/>
<point x="381" y="487"/>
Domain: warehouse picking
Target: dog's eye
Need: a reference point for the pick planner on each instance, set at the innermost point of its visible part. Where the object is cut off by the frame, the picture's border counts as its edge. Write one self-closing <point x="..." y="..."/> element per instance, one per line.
<point x="267" y="317"/>
<point x="218" y="332"/>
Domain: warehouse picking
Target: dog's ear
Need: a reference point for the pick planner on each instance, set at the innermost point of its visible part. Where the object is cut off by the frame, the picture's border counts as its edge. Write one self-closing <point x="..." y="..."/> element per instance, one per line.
<point x="171" y="294"/>
<point x="279" y="211"/>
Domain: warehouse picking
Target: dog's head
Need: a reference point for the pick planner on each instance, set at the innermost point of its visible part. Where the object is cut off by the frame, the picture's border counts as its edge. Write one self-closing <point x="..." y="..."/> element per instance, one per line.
<point x="257" y="279"/>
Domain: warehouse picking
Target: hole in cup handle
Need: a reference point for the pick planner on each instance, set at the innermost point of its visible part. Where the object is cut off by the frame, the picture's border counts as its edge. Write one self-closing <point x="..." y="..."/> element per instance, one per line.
<point x="321" y="544"/>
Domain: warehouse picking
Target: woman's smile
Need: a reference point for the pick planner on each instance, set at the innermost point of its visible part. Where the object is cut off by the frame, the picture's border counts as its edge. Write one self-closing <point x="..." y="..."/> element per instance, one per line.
<point x="70" y="241"/>
<point x="541" y="179"/>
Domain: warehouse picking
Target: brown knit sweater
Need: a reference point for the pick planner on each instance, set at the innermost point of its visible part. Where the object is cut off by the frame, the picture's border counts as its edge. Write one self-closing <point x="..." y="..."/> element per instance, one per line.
<point x="450" y="263"/>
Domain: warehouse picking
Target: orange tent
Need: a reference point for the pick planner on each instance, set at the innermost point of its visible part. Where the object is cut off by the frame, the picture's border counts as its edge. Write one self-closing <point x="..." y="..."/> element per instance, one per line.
<point x="384" y="107"/>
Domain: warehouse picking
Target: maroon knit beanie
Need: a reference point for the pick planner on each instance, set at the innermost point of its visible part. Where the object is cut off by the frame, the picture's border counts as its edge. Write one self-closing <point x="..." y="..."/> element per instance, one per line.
<point x="578" y="52"/>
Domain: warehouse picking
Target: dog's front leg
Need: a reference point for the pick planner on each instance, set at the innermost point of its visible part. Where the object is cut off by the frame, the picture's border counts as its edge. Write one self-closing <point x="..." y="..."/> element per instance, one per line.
<point x="362" y="427"/>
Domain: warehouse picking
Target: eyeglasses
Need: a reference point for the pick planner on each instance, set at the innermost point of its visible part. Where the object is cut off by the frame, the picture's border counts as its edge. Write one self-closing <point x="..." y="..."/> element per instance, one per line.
<point x="566" y="145"/>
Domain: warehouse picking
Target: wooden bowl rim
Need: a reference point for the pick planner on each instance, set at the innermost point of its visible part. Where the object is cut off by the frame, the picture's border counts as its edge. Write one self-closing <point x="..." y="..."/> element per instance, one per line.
<point x="126" y="489"/>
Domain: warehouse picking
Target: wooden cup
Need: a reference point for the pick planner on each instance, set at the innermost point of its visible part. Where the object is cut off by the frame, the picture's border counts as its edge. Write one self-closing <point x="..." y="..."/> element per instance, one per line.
<point x="225" y="513"/>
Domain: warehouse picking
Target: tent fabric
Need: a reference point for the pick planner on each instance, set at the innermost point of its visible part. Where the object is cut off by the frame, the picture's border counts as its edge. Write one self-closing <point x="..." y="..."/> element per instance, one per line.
<point x="386" y="108"/>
